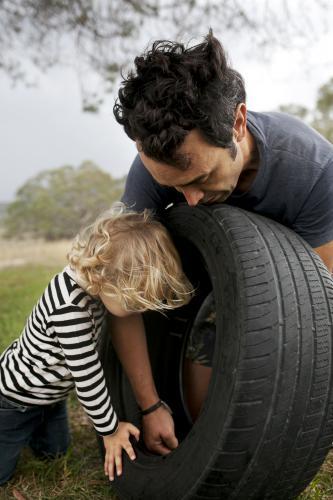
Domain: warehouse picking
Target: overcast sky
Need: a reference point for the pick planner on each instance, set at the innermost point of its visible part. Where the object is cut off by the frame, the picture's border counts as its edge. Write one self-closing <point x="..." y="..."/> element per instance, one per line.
<point x="44" y="127"/>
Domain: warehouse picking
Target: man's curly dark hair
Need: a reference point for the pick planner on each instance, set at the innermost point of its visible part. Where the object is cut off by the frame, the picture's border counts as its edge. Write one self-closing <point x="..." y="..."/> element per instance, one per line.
<point x="175" y="90"/>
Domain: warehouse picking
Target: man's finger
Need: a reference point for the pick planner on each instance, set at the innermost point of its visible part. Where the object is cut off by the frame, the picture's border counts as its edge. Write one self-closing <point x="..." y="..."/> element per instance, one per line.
<point x="170" y="441"/>
<point x="159" y="448"/>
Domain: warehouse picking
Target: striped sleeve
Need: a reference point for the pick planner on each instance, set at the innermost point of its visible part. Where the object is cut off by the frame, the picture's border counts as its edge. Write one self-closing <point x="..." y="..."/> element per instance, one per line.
<point x="73" y="327"/>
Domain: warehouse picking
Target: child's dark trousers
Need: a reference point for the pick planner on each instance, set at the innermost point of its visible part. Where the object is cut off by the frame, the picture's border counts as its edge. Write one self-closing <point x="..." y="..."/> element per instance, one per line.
<point x="43" y="428"/>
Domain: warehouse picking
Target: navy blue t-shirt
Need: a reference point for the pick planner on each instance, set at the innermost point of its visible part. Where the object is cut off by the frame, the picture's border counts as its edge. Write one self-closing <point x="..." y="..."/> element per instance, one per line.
<point x="294" y="183"/>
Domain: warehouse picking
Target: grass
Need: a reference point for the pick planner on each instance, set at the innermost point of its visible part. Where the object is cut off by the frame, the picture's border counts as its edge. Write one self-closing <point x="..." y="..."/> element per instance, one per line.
<point x="79" y="475"/>
<point x="31" y="251"/>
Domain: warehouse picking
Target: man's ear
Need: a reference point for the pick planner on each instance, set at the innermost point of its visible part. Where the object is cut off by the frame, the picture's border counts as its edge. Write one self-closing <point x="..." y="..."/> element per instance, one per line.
<point x="239" y="127"/>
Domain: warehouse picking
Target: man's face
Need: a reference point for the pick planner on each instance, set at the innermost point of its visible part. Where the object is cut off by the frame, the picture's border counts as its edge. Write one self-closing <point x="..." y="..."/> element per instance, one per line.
<point x="212" y="174"/>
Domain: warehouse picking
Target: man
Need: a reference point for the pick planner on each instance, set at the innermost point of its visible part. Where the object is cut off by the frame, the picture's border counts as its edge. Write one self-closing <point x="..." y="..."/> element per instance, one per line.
<point x="186" y="110"/>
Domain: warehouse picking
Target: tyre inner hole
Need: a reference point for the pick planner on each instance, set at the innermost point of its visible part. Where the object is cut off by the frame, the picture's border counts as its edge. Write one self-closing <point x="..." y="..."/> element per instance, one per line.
<point x="183" y="366"/>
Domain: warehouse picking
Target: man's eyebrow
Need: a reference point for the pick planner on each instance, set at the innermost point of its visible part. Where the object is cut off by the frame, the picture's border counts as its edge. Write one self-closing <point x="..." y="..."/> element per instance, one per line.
<point x="193" y="181"/>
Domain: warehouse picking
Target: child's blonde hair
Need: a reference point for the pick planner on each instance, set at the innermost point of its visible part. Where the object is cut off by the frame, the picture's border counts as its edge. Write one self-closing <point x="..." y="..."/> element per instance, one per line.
<point x="130" y="256"/>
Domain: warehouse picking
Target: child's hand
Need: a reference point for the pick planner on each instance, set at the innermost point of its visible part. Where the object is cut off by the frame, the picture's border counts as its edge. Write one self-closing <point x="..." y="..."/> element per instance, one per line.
<point x="115" y="444"/>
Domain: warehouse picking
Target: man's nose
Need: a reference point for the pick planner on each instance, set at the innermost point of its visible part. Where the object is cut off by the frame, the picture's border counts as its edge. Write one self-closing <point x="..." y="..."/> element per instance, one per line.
<point x="192" y="196"/>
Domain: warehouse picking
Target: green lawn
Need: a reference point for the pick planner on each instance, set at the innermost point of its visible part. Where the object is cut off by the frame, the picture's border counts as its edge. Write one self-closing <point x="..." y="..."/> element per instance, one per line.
<point x="80" y="474"/>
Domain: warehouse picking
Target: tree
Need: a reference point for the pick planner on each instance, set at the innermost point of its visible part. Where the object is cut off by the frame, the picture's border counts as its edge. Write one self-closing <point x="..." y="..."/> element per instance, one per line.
<point x="104" y="35"/>
<point x="296" y="110"/>
<point x="56" y="203"/>
<point x="321" y="116"/>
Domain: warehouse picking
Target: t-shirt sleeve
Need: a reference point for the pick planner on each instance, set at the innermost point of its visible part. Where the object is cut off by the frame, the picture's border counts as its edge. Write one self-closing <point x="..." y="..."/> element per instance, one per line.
<point x="315" y="219"/>
<point x="74" y="329"/>
<point x="142" y="191"/>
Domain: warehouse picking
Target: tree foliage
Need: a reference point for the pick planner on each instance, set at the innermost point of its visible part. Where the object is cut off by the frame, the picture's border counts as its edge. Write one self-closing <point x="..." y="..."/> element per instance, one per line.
<point x="321" y="116"/>
<point x="56" y="203"/>
<point x="323" y="113"/>
<point x="295" y="109"/>
<point x="100" y="36"/>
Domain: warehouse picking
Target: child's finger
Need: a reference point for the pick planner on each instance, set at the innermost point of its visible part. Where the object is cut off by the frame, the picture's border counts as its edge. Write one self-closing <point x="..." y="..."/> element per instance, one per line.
<point x="109" y="467"/>
<point x="118" y="462"/>
<point x="106" y="463"/>
<point x="134" y="431"/>
<point x="129" y="450"/>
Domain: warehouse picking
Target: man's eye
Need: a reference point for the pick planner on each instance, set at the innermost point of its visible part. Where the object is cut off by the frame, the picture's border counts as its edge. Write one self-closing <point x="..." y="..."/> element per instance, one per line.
<point x="205" y="179"/>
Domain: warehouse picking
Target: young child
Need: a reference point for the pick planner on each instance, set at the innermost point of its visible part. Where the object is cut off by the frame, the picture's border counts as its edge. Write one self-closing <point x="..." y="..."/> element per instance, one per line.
<point x="125" y="263"/>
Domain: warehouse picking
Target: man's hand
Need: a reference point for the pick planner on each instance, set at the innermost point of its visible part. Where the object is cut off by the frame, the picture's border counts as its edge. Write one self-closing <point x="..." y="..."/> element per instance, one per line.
<point x="159" y="431"/>
<point x="115" y="444"/>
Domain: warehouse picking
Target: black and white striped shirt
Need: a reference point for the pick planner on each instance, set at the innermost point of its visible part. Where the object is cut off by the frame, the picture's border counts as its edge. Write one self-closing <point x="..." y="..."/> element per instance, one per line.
<point x="57" y="352"/>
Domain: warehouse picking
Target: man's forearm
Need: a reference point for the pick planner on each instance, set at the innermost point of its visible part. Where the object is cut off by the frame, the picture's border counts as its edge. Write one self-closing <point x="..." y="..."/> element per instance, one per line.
<point x="129" y="340"/>
<point x="326" y="254"/>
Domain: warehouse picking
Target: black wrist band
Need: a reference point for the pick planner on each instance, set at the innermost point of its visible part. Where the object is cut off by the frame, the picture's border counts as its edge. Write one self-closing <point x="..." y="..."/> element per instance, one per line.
<point x="155" y="407"/>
